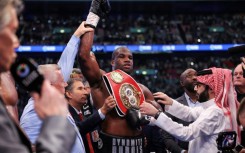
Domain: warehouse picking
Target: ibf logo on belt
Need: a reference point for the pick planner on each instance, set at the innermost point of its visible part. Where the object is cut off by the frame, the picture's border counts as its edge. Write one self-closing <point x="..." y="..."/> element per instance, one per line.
<point x="124" y="89"/>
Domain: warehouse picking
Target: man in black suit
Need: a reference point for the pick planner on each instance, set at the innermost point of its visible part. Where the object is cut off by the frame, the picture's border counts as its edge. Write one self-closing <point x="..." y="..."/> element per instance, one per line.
<point x="77" y="95"/>
<point x="57" y="134"/>
<point x="189" y="98"/>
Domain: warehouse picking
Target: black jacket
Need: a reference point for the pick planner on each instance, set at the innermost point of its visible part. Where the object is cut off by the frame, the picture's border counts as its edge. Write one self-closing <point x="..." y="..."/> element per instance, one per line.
<point x="89" y="124"/>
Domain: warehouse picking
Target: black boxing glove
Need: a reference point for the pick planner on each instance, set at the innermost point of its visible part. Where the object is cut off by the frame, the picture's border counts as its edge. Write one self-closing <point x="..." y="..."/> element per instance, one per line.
<point x="144" y="120"/>
<point x="95" y="7"/>
<point x="133" y="117"/>
<point x="98" y="9"/>
<point x="94" y="14"/>
<point x="105" y="7"/>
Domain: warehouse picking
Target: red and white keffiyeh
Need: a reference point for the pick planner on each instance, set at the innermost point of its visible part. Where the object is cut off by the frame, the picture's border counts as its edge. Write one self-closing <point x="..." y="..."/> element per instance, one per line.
<point x="220" y="81"/>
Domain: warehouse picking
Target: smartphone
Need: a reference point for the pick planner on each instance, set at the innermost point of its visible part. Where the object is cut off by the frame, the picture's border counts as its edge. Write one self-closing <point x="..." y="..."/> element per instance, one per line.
<point x="226" y="140"/>
<point x="25" y="73"/>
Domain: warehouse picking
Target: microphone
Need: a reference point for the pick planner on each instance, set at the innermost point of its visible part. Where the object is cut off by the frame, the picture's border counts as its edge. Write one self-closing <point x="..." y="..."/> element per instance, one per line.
<point x="237" y="50"/>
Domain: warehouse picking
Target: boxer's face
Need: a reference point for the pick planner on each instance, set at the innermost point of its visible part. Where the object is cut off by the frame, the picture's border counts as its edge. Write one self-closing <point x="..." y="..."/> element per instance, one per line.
<point x="123" y="60"/>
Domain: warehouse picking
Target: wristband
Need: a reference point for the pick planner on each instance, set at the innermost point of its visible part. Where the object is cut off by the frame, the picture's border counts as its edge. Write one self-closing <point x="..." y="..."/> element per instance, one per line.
<point x="92" y="20"/>
<point x="157" y="114"/>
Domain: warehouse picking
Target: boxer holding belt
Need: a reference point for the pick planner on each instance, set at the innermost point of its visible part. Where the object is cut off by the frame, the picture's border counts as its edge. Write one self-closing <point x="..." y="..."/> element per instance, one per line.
<point x="117" y="133"/>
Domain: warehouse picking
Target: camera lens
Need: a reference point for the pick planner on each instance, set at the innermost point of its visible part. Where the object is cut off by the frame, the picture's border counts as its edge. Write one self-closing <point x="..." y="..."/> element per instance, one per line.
<point x="22" y="70"/>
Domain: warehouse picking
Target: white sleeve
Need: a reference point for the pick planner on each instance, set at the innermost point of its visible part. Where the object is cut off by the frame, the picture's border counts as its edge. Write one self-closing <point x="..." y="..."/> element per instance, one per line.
<point x="102" y="116"/>
<point x="67" y="58"/>
<point x="183" y="112"/>
<point x="208" y="123"/>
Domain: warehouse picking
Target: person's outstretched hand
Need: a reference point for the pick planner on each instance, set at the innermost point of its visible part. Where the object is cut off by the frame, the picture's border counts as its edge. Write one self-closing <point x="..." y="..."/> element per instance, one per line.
<point x="82" y="30"/>
<point x="162" y="98"/>
<point x="148" y="109"/>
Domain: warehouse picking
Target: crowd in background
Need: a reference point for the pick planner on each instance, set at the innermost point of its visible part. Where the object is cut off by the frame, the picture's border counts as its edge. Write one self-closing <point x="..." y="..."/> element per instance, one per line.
<point x="138" y="29"/>
<point x="135" y="26"/>
<point x="168" y="73"/>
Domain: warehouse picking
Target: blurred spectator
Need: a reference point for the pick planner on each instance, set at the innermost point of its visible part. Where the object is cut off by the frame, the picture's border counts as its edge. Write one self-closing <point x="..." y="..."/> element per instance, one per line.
<point x="54" y="29"/>
<point x="239" y="82"/>
<point x="76" y="73"/>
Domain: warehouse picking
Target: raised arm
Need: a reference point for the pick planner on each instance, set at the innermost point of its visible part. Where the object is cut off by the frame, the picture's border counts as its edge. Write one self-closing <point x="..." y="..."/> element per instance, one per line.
<point x="67" y="58"/>
<point x="87" y="61"/>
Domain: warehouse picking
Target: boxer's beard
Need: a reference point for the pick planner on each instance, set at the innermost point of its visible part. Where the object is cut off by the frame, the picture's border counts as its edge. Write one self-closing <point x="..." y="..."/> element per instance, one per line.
<point x="203" y="97"/>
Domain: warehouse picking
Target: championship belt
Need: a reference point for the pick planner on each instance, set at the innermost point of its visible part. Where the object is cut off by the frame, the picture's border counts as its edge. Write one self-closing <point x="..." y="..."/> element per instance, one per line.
<point x="124" y="89"/>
